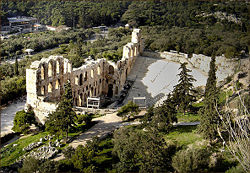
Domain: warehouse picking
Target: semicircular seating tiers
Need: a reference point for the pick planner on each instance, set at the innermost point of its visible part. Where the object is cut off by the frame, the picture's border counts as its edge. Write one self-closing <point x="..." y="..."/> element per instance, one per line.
<point x="45" y="79"/>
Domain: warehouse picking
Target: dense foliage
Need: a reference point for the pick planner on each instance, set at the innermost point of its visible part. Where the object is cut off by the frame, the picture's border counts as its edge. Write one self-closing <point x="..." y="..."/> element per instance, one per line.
<point x="209" y="114"/>
<point x="12" y="88"/>
<point x="129" y="110"/>
<point x="191" y="160"/>
<point x="183" y="92"/>
<point x="71" y="13"/>
<point x="16" y="45"/>
<point x="161" y="118"/>
<point x="62" y="119"/>
<point x="23" y="120"/>
<point x="140" y="151"/>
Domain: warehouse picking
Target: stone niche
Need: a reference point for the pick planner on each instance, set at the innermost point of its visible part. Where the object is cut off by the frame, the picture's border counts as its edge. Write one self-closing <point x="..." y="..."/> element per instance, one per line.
<point x="45" y="79"/>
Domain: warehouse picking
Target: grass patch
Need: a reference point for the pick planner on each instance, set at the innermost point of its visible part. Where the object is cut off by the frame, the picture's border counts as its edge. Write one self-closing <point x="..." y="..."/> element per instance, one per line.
<point x="104" y="158"/>
<point x="183" y="135"/>
<point x="189" y="117"/>
<point x="223" y="96"/>
<point x="198" y="105"/>
<point x="10" y="154"/>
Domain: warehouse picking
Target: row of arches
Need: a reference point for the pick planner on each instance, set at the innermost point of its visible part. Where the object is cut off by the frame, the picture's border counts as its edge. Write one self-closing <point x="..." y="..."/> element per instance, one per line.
<point x="50" y="87"/>
<point x="51" y="70"/>
<point x="84" y="77"/>
<point x="81" y="99"/>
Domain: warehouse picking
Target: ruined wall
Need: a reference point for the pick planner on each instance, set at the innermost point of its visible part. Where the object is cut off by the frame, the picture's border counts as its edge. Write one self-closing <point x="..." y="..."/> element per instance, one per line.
<point x="45" y="79"/>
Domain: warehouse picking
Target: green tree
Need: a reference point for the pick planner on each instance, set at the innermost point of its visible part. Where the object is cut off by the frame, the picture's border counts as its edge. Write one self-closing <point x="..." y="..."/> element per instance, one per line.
<point x="129" y="110"/>
<point x="23" y="120"/>
<point x="162" y="117"/>
<point x="83" y="158"/>
<point x="183" y="91"/>
<point x="140" y="151"/>
<point x="30" y="164"/>
<point x="62" y="119"/>
<point x="16" y="67"/>
<point x="191" y="160"/>
<point x="209" y="115"/>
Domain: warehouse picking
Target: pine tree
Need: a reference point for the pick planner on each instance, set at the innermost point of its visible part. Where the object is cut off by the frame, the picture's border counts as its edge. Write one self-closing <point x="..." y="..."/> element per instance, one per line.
<point x="62" y="119"/>
<point x="209" y="115"/>
<point x="182" y="92"/>
<point x="162" y="117"/>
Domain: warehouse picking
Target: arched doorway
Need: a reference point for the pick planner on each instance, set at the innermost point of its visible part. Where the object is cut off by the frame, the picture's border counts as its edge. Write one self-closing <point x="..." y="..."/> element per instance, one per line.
<point x="110" y="91"/>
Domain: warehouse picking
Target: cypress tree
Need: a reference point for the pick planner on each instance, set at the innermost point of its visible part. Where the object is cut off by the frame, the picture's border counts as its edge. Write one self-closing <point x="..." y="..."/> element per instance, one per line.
<point x="209" y="115"/>
<point x="183" y="91"/>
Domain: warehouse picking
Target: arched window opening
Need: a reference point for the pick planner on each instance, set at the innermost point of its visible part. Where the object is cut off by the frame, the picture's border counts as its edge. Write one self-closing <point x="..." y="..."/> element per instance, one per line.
<point x="80" y="100"/>
<point x="85" y="76"/>
<point x="91" y="92"/>
<point x="116" y="90"/>
<point x="50" y="87"/>
<point x="57" y="67"/>
<point x="131" y="52"/>
<point x="76" y="80"/>
<point x="111" y="70"/>
<point x="92" y="73"/>
<point x="110" y="91"/>
<point x="42" y="72"/>
<point x="98" y="70"/>
<point x="43" y="90"/>
<point x="85" y="98"/>
<point x="135" y="52"/>
<point x="81" y="78"/>
<point x="69" y="67"/>
<point x="57" y="84"/>
<point x="50" y="69"/>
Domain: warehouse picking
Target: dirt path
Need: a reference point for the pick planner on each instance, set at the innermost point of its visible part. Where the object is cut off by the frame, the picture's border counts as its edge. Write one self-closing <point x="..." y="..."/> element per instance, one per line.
<point x="106" y="124"/>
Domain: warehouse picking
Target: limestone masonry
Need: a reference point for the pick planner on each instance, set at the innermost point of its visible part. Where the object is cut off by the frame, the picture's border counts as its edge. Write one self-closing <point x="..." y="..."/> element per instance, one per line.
<point x="45" y="79"/>
<point x="225" y="67"/>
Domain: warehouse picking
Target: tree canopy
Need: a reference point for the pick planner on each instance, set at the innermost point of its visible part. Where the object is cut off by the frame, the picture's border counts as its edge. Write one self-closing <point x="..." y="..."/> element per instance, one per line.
<point x="62" y="119"/>
<point x="183" y="91"/>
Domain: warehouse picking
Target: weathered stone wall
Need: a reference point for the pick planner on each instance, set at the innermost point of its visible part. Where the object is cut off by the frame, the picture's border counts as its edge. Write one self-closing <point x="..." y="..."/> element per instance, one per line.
<point x="225" y="67"/>
<point x="45" y="79"/>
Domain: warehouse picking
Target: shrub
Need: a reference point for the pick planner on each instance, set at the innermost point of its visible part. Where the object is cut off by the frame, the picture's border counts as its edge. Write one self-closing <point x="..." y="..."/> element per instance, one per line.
<point x="236" y="169"/>
<point x="84" y="118"/>
<point x="23" y="120"/>
<point x="129" y="110"/>
<point x="141" y="151"/>
<point x="30" y="164"/>
<point x="191" y="160"/>
<point x="68" y="152"/>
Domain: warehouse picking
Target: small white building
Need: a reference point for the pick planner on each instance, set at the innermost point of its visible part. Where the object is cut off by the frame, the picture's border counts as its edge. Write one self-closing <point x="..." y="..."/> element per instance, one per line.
<point x="51" y="28"/>
<point x="29" y="51"/>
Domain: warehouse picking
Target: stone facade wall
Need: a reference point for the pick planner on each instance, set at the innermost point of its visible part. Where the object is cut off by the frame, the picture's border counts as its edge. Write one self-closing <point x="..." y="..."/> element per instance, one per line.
<point x="225" y="67"/>
<point x="45" y="79"/>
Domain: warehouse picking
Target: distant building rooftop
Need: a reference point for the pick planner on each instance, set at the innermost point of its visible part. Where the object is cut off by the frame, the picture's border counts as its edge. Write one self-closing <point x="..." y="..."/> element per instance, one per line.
<point x="21" y="19"/>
